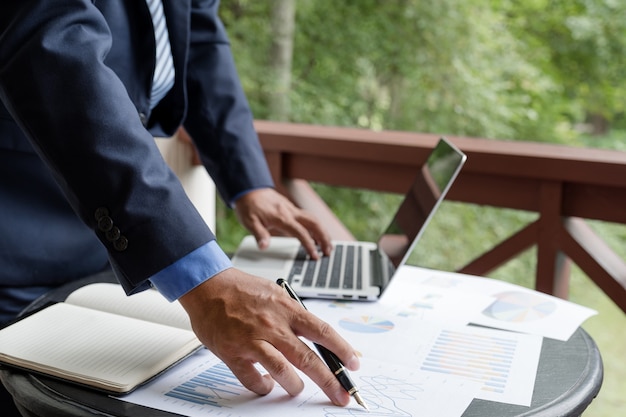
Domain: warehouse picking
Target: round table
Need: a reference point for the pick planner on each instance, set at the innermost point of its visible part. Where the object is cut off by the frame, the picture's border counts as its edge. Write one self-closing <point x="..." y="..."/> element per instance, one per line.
<point x="569" y="377"/>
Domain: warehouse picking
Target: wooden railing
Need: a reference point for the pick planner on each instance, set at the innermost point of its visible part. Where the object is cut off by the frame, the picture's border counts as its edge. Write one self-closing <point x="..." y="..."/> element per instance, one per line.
<point x="563" y="185"/>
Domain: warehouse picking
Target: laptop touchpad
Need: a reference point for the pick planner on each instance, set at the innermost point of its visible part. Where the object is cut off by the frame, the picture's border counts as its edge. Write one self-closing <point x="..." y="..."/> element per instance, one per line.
<point x="273" y="262"/>
<point x="267" y="259"/>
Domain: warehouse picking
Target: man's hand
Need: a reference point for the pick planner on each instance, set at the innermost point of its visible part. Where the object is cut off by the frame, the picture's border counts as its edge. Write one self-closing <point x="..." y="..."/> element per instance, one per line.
<point x="245" y="320"/>
<point x="266" y="211"/>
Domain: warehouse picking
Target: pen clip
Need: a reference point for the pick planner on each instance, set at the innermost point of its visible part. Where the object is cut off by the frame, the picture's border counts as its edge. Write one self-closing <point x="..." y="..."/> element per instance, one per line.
<point x="283" y="283"/>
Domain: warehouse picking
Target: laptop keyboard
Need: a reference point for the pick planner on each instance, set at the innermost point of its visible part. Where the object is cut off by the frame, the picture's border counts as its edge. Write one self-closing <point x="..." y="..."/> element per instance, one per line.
<point x="341" y="269"/>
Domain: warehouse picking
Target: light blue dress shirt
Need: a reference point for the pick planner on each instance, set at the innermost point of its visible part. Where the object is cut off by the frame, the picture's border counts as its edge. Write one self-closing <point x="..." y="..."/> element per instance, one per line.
<point x="191" y="271"/>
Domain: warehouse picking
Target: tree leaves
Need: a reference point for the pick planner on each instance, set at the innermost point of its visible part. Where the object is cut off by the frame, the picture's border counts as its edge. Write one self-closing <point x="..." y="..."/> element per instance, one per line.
<point x="507" y="69"/>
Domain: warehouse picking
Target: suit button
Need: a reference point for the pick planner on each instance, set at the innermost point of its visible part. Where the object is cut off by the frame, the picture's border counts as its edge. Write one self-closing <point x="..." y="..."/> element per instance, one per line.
<point x="121" y="244"/>
<point x="113" y="234"/>
<point x="101" y="212"/>
<point x="143" y="118"/>
<point x="105" y="223"/>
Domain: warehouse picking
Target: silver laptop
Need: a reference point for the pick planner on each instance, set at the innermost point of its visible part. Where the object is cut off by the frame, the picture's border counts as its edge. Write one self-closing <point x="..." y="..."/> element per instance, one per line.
<point x="358" y="270"/>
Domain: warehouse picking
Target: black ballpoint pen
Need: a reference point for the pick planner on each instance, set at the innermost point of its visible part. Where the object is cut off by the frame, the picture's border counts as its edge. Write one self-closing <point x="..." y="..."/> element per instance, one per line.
<point x="333" y="362"/>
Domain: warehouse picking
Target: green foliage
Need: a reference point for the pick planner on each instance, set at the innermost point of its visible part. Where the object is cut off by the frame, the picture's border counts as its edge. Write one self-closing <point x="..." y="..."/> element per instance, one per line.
<point x="616" y="140"/>
<point x="581" y="45"/>
<point x="229" y="231"/>
<point x="506" y="69"/>
<point x="364" y="213"/>
<point x="248" y="26"/>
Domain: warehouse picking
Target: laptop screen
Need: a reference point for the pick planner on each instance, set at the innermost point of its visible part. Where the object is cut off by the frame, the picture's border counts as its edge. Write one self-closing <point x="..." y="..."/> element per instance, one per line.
<point x="421" y="201"/>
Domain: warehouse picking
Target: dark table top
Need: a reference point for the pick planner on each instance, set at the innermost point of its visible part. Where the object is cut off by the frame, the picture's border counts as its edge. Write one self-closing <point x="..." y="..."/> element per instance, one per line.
<point x="569" y="377"/>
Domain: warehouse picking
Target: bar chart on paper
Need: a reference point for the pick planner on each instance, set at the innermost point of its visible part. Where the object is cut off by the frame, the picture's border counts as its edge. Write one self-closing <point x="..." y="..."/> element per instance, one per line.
<point x="202" y="386"/>
<point x="486" y="359"/>
<point x="215" y="387"/>
<point x="489" y="357"/>
<point x="503" y="362"/>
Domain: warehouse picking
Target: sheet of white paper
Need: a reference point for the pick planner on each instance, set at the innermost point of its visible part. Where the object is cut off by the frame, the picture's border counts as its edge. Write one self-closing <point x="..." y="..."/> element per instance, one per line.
<point x="203" y="386"/>
<point x="414" y="352"/>
<point x="420" y="302"/>
<point x="515" y="308"/>
<point x="505" y="363"/>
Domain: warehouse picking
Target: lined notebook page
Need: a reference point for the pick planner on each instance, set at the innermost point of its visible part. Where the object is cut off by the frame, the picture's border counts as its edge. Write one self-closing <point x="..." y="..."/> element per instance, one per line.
<point x="103" y="349"/>
<point x="146" y="305"/>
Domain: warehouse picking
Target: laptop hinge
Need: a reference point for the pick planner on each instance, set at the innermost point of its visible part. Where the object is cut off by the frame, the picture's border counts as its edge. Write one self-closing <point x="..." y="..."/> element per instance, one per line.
<point x="382" y="269"/>
<point x="377" y="275"/>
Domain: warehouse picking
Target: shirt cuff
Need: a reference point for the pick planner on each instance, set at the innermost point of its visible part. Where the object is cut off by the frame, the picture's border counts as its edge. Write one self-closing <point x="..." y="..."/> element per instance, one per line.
<point x="190" y="271"/>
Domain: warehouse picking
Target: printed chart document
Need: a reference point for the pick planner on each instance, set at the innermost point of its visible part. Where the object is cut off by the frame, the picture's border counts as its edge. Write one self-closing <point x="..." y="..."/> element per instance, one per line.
<point x="101" y="338"/>
<point x="203" y="386"/>
<point x="513" y="307"/>
<point x="422" y="346"/>
<point x="449" y="307"/>
<point x="503" y="363"/>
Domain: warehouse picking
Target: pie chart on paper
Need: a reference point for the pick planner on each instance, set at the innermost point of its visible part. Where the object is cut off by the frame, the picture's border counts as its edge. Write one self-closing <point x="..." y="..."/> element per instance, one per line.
<point x="518" y="306"/>
<point x="366" y="324"/>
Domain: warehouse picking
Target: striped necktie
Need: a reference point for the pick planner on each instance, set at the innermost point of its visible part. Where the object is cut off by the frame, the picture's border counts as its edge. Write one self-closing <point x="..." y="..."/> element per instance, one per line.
<point x="163" y="78"/>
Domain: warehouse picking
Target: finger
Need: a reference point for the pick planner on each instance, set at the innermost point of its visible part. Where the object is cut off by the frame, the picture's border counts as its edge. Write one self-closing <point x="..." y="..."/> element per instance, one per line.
<point x="312" y="365"/>
<point x="291" y="226"/>
<point x="318" y="331"/>
<point x="319" y="233"/>
<point x="250" y="377"/>
<point x="260" y="233"/>
<point x="307" y="359"/>
<point x="307" y="241"/>
<point x="281" y="370"/>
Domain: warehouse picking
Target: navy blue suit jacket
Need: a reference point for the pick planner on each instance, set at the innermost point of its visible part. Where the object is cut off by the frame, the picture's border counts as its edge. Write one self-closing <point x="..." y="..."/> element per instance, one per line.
<point x="75" y="79"/>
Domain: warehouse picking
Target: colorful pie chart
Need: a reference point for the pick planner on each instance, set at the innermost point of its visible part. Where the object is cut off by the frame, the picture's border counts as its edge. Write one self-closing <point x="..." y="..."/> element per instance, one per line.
<point x="518" y="306"/>
<point x="366" y="324"/>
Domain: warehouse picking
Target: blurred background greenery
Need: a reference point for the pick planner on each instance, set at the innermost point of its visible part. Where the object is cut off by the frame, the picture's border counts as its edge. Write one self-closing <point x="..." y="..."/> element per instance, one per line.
<point x="534" y="70"/>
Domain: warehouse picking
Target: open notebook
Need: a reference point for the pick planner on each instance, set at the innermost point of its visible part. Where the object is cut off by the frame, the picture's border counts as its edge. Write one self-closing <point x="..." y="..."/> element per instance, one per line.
<point x="359" y="270"/>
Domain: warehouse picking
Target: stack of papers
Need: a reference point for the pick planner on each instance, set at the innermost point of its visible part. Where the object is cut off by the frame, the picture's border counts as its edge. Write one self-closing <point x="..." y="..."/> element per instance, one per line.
<point x="434" y="342"/>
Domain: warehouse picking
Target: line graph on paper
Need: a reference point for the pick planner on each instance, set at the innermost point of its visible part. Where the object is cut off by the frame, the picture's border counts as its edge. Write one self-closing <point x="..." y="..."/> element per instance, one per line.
<point x="206" y="387"/>
<point x="408" y="395"/>
<point x="386" y="396"/>
<point x="217" y="388"/>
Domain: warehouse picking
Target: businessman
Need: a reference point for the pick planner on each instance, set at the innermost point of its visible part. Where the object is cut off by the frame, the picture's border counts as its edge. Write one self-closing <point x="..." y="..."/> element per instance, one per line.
<point x="84" y="86"/>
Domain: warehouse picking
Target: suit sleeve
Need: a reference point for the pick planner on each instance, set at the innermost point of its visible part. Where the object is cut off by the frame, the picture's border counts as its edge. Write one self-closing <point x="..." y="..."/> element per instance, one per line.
<point x="78" y="116"/>
<point x="219" y="118"/>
